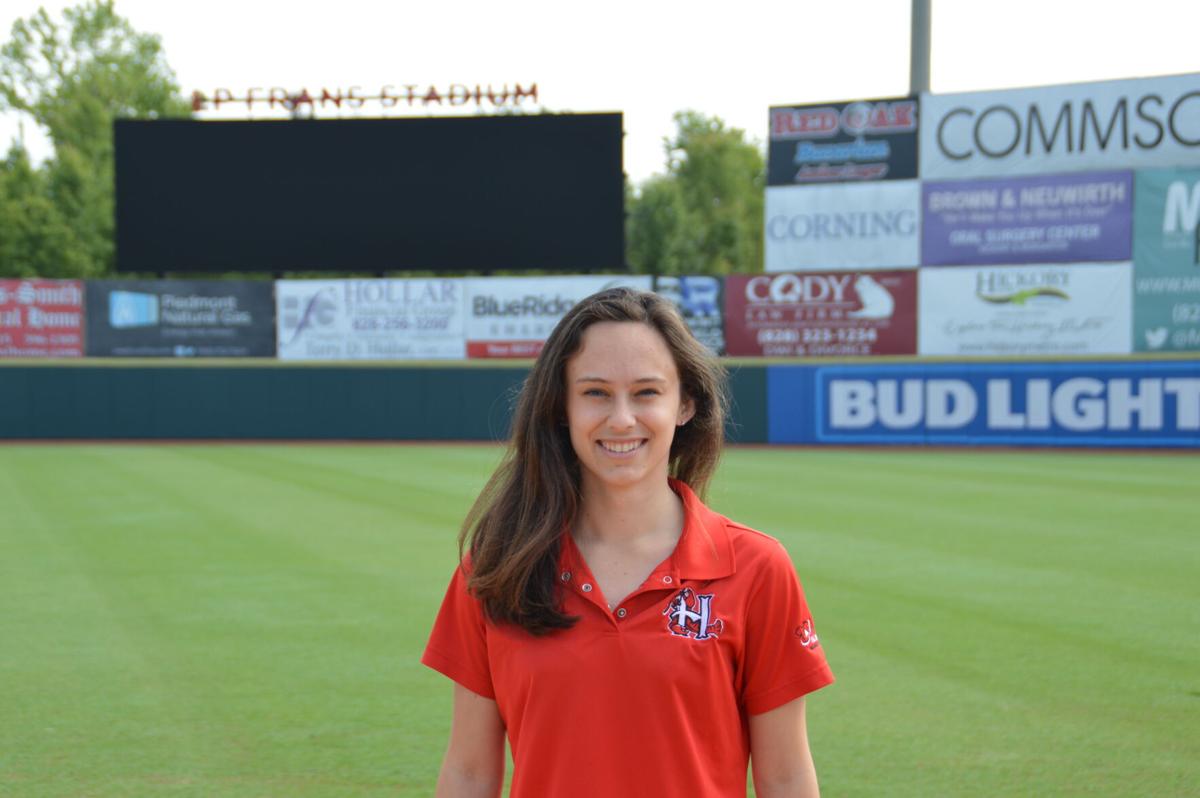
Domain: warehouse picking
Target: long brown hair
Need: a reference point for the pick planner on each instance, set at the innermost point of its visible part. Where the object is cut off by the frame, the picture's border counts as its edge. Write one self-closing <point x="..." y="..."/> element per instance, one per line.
<point x="512" y="532"/>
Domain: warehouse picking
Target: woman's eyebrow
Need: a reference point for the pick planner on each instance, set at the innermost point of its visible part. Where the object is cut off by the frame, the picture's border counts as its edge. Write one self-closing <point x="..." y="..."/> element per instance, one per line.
<point x="639" y="379"/>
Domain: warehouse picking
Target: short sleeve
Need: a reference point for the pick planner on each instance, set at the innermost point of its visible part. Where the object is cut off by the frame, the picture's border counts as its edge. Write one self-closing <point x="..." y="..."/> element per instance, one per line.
<point x="783" y="655"/>
<point x="457" y="645"/>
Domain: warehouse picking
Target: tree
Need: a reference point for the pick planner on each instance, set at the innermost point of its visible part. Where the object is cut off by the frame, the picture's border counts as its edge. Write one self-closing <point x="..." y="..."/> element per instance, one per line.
<point x="73" y="79"/>
<point x="705" y="216"/>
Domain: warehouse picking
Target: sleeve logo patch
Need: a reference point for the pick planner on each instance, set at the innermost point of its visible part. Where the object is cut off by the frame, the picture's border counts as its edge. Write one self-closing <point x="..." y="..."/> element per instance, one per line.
<point x="808" y="637"/>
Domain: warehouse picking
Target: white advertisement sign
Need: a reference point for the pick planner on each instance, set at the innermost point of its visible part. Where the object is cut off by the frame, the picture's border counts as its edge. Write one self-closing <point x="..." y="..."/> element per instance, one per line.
<point x="1119" y="124"/>
<point x="513" y="316"/>
<point x="402" y="319"/>
<point x="1076" y="309"/>
<point x="843" y="227"/>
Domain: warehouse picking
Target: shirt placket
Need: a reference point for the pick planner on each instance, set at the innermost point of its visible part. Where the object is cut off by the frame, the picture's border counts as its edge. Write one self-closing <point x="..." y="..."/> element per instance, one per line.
<point x="576" y="577"/>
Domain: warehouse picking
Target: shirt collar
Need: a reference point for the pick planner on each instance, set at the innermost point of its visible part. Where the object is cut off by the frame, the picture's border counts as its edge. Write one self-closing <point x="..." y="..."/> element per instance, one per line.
<point x="704" y="550"/>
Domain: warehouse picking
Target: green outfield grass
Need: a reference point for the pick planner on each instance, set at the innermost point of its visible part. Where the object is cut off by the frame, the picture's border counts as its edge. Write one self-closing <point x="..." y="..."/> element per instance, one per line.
<point x="223" y="620"/>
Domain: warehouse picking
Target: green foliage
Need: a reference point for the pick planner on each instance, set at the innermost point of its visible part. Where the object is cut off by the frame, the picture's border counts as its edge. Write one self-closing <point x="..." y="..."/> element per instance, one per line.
<point x="705" y="216"/>
<point x="73" y="78"/>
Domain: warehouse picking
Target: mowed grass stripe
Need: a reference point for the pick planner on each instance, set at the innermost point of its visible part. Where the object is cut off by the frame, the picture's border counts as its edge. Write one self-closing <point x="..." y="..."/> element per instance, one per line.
<point x="246" y="620"/>
<point x="978" y="590"/>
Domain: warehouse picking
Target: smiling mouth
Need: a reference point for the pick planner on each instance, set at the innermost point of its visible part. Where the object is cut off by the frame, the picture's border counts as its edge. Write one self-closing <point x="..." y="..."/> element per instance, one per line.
<point x="621" y="447"/>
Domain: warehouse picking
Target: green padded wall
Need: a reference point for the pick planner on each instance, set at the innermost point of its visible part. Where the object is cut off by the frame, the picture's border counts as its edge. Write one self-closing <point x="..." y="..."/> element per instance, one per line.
<point x="281" y="402"/>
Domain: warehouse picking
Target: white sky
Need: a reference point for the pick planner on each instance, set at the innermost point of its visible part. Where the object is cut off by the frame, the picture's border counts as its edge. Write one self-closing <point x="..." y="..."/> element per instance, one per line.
<point x="650" y="59"/>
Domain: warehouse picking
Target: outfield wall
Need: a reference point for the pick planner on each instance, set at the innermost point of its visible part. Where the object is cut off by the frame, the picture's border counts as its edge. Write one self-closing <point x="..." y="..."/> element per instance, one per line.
<point x="97" y="401"/>
<point x="1113" y="403"/>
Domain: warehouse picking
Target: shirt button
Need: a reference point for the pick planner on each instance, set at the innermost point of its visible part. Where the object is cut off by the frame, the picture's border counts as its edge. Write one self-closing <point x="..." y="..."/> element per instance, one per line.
<point x="566" y="576"/>
<point x="667" y="580"/>
<point x="621" y="613"/>
<point x="586" y="588"/>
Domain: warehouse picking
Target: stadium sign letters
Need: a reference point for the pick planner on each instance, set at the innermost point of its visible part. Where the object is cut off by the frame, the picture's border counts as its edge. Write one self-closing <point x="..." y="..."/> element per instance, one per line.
<point x="1123" y="123"/>
<point x="410" y="95"/>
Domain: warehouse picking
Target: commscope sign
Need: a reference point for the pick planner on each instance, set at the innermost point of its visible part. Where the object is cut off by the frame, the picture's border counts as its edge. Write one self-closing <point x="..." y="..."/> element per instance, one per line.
<point x="1081" y="126"/>
<point x="1056" y="404"/>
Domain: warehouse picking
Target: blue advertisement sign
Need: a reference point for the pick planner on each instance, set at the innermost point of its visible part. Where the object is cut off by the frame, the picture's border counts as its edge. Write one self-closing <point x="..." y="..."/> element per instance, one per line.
<point x="1148" y="404"/>
<point x="1043" y="219"/>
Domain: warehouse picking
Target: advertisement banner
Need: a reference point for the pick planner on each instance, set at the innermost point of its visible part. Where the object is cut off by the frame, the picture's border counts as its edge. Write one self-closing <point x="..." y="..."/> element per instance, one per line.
<point x="1166" y="261"/>
<point x="1075" y="127"/>
<point x="838" y="142"/>
<point x="700" y="299"/>
<point x="41" y="318"/>
<point x="1045" y="219"/>
<point x="847" y="227"/>
<point x="835" y="314"/>
<point x="511" y="317"/>
<point x="400" y="319"/>
<point x="1153" y="403"/>
<point x="1046" y="309"/>
<point x="180" y="318"/>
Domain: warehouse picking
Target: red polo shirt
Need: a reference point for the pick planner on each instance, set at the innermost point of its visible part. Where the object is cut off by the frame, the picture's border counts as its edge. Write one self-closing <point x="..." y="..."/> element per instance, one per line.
<point x="651" y="698"/>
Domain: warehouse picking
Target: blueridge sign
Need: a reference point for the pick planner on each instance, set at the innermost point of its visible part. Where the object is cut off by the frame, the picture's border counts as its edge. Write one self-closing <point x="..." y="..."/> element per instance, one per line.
<point x="1044" y="219"/>
<point x="1115" y="124"/>
<point x="1166" y="261"/>
<point x="511" y="317"/>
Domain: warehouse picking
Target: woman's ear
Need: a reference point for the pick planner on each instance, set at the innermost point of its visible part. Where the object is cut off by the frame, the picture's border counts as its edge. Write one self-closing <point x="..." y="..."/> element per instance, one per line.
<point x="687" y="409"/>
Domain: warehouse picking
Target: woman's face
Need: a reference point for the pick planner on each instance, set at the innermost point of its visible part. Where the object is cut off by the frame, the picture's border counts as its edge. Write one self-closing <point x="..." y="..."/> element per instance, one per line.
<point x="623" y="404"/>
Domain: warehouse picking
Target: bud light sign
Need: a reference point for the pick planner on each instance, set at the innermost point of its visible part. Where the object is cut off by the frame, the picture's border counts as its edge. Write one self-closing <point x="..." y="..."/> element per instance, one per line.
<point x="1049" y="404"/>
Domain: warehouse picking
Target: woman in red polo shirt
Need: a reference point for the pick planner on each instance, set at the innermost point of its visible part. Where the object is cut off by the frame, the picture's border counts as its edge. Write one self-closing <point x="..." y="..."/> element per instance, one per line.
<point x="628" y="640"/>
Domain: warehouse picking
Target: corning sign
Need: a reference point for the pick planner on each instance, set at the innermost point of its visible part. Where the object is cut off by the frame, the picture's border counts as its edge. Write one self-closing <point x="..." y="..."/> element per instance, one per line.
<point x="1110" y="125"/>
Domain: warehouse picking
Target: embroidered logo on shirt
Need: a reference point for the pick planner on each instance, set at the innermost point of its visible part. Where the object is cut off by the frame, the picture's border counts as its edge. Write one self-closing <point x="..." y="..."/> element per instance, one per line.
<point x="808" y="637"/>
<point x="690" y="615"/>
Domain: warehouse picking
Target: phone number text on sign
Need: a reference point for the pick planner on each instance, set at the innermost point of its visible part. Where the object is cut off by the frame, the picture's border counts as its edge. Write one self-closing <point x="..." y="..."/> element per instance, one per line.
<point x="836" y="314"/>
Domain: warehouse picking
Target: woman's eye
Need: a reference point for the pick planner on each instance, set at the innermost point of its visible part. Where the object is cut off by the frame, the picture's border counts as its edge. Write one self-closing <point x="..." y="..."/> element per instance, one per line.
<point x="648" y="392"/>
<point x="593" y="392"/>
